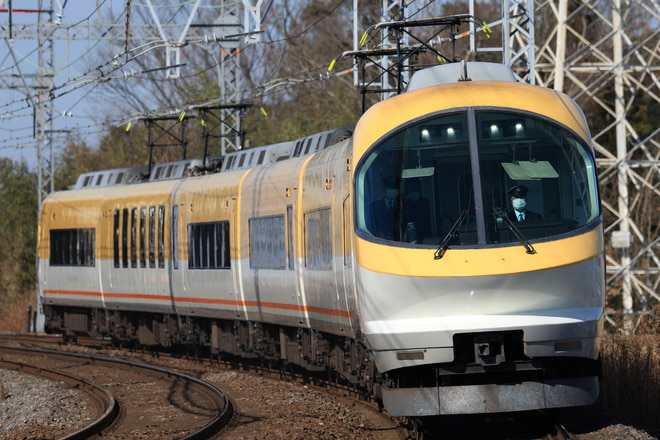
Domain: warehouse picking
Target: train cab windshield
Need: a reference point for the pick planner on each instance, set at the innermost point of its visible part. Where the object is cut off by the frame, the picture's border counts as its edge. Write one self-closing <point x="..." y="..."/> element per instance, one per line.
<point x="477" y="178"/>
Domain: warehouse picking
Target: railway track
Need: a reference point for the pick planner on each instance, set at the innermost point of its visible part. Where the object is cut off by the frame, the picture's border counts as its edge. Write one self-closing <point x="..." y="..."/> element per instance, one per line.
<point x="104" y="402"/>
<point x="267" y="399"/>
<point x="134" y="400"/>
<point x="463" y="429"/>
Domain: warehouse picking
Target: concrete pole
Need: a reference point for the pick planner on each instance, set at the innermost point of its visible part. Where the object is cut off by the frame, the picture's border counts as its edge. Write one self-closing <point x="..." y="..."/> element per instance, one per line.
<point x="622" y="157"/>
<point x="560" y="50"/>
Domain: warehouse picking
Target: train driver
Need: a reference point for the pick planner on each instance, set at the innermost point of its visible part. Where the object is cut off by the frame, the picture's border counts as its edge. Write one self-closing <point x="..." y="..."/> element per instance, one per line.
<point x="416" y="211"/>
<point x="383" y="211"/>
<point x="520" y="213"/>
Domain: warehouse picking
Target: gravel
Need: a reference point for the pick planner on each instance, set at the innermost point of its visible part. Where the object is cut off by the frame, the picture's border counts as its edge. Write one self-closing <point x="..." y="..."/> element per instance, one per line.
<point x="40" y="409"/>
<point x="273" y="409"/>
<point x="32" y="404"/>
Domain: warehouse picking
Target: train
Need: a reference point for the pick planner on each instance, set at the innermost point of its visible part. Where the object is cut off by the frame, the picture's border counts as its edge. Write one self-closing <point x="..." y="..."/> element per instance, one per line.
<point x="382" y="254"/>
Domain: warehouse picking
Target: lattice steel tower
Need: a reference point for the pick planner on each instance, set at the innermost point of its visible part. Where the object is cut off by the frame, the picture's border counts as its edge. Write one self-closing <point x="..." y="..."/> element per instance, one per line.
<point x="237" y="25"/>
<point x="606" y="55"/>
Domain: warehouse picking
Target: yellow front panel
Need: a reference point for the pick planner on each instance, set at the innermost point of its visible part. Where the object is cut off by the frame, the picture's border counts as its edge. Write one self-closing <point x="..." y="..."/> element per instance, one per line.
<point x="403" y="109"/>
<point x="478" y="262"/>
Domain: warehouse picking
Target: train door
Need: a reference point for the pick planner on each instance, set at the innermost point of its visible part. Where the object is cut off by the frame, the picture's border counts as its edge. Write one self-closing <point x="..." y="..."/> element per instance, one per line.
<point x="269" y="284"/>
<point x="203" y="220"/>
<point x="347" y="259"/>
<point x="293" y="237"/>
<point x="324" y="272"/>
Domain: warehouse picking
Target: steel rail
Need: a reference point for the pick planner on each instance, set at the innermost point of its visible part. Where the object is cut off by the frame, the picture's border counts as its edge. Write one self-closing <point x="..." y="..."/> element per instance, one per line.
<point x="224" y="411"/>
<point x="104" y="400"/>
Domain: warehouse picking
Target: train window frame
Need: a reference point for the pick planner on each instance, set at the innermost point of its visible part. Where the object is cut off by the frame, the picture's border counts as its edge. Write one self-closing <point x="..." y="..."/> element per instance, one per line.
<point x="346" y="233"/>
<point x="73" y="247"/>
<point x="175" y="236"/>
<point x="115" y="238"/>
<point x="289" y="236"/>
<point x="267" y="246"/>
<point x="124" y="237"/>
<point x="161" y="236"/>
<point x="134" y="253"/>
<point x="143" y="237"/>
<point x="318" y="239"/>
<point x="209" y="245"/>
<point x="441" y="142"/>
<point x="152" y="237"/>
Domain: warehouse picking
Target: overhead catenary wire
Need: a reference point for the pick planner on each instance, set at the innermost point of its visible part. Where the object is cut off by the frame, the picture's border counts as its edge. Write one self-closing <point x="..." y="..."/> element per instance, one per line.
<point x="105" y="71"/>
<point x="117" y="68"/>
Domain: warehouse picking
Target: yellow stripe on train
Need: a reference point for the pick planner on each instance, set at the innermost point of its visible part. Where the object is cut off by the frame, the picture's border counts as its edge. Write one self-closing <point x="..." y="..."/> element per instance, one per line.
<point x="418" y="262"/>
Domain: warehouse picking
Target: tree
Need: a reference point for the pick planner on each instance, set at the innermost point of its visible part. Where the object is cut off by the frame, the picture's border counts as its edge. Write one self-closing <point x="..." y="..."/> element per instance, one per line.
<point x="18" y="233"/>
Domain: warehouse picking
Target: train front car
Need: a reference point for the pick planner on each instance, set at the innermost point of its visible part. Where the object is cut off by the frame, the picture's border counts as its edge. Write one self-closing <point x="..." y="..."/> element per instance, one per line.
<point x="466" y="307"/>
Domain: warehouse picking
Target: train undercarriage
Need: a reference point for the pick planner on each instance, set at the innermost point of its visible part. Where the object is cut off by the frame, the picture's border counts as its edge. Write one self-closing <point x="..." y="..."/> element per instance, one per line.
<point x="453" y="388"/>
<point x="343" y="358"/>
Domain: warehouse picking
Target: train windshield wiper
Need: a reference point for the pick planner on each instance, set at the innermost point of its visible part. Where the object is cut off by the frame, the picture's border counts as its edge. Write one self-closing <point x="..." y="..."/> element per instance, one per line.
<point x="499" y="213"/>
<point x="445" y="242"/>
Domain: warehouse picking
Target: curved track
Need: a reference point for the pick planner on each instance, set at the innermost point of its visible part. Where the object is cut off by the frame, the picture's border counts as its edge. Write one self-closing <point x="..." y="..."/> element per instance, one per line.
<point x="106" y="405"/>
<point x="540" y="426"/>
<point x="209" y="403"/>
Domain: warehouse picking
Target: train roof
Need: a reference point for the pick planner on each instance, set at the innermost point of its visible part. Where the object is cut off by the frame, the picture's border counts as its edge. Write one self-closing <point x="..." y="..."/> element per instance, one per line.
<point x="456" y="72"/>
<point x="102" y="179"/>
<point x="237" y="160"/>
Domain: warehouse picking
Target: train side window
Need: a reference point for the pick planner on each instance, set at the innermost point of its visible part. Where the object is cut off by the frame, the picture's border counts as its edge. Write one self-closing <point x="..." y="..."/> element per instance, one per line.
<point x="161" y="236"/>
<point x="115" y="240"/>
<point x="72" y="247"/>
<point x="124" y="238"/>
<point x="298" y="148"/>
<point x="88" y="246"/>
<point x="230" y="162"/>
<point x="134" y="212"/>
<point x="208" y="245"/>
<point x="175" y="236"/>
<point x="267" y="245"/>
<point x="289" y="235"/>
<point x="318" y="239"/>
<point x="308" y="145"/>
<point x="152" y="236"/>
<point x="143" y="237"/>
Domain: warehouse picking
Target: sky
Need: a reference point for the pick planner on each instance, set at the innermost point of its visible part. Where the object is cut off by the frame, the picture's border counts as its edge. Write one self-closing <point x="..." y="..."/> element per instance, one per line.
<point x="20" y="71"/>
<point x="78" y="28"/>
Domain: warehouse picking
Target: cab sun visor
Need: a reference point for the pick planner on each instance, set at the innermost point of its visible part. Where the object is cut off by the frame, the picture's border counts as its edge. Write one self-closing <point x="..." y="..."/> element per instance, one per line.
<point x="417" y="172"/>
<point x="530" y="170"/>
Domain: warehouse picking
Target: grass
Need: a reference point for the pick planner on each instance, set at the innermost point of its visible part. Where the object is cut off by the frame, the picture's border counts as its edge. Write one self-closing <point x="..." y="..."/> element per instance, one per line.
<point x="13" y="316"/>
<point x="631" y="373"/>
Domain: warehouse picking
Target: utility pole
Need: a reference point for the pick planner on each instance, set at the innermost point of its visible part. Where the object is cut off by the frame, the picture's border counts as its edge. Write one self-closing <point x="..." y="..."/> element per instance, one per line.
<point x="237" y="25"/>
